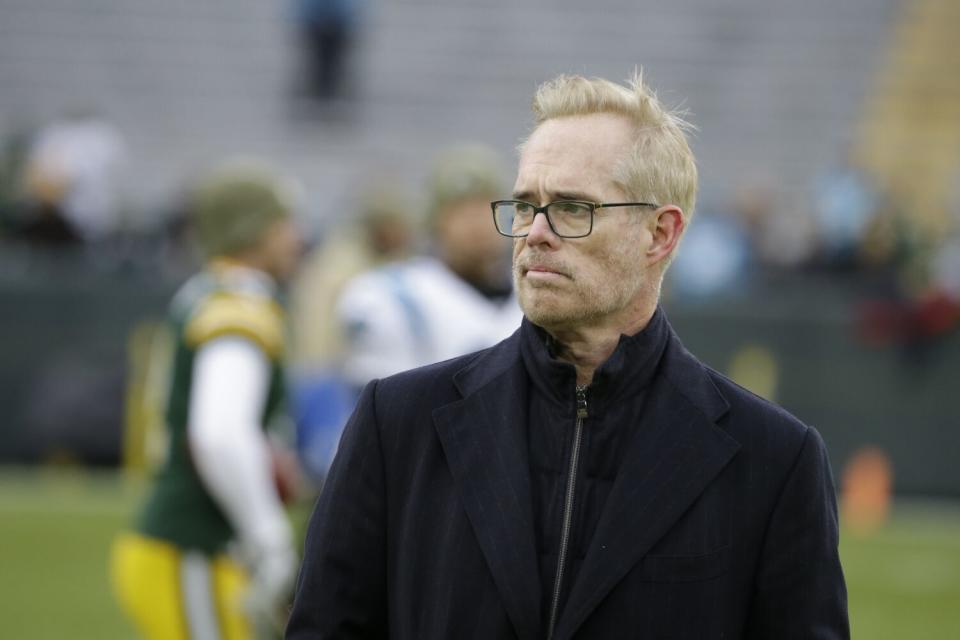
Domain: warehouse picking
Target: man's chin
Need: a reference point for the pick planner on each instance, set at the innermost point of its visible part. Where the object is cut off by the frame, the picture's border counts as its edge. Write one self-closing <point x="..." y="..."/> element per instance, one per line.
<point x="543" y="310"/>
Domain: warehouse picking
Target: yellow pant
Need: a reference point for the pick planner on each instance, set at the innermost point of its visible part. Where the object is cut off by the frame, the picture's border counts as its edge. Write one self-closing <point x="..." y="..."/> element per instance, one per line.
<point x="172" y="594"/>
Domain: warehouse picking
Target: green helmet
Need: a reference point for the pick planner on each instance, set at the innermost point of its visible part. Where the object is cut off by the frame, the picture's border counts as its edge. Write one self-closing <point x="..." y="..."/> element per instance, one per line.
<point x="463" y="172"/>
<point x="236" y="204"/>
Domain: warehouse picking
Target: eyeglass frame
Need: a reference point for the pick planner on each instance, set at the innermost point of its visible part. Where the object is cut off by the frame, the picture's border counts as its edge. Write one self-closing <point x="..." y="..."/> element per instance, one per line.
<point x="593" y="208"/>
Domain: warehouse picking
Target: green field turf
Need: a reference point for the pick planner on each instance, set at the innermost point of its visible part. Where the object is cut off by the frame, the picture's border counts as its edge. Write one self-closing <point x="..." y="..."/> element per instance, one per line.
<point x="904" y="581"/>
<point x="56" y="528"/>
<point x="55" y="533"/>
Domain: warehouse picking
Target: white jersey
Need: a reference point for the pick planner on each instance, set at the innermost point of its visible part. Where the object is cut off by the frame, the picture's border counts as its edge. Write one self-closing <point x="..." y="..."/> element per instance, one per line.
<point x="413" y="313"/>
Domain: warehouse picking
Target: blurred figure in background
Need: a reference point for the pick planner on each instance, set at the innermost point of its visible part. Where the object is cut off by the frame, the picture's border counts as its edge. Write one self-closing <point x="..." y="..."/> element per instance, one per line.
<point x="381" y="233"/>
<point x="734" y="246"/>
<point x="223" y="482"/>
<point x="845" y="205"/>
<point x="435" y="307"/>
<point x="716" y="261"/>
<point x="72" y="181"/>
<point x="917" y="305"/>
<point x="328" y="30"/>
<point x="783" y="234"/>
<point x="945" y="268"/>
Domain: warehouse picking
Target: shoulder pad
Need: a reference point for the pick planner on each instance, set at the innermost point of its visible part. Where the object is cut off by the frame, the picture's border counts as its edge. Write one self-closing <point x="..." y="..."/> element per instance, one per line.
<point x="259" y="319"/>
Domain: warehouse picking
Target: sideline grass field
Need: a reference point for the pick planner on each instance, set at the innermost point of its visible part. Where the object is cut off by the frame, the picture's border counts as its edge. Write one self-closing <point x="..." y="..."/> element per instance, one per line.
<point x="56" y="529"/>
<point x="55" y="535"/>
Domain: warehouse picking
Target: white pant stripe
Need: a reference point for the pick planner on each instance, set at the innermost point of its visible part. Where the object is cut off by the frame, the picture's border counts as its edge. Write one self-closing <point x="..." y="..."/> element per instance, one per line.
<point x="196" y="585"/>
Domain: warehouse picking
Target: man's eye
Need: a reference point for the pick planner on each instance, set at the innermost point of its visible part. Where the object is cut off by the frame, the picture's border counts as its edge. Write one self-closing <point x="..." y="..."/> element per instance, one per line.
<point x="573" y="208"/>
<point x="523" y="209"/>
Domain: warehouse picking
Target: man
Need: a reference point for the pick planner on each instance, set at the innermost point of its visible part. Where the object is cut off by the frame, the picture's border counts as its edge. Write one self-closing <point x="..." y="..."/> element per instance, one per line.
<point x="430" y="308"/>
<point x="586" y="478"/>
<point x="175" y="575"/>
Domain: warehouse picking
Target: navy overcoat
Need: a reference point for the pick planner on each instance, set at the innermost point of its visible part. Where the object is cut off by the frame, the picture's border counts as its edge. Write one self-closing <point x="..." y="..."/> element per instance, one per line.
<point x="721" y="523"/>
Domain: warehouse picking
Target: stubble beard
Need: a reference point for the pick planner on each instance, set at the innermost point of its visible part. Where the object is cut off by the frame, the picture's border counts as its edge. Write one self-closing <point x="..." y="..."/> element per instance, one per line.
<point x="573" y="302"/>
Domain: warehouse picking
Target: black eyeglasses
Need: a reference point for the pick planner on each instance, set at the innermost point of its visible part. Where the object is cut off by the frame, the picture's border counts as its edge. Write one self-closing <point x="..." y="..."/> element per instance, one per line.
<point x="567" y="218"/>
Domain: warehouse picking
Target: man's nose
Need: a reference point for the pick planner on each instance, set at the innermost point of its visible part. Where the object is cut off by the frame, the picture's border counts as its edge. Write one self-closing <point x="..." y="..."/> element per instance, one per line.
<point x="540" y="231"/>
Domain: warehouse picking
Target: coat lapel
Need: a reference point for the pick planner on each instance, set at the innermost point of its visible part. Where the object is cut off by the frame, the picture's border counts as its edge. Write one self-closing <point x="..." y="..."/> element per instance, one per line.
<point x="671" y="459"/>
<point x="484" y="439"/>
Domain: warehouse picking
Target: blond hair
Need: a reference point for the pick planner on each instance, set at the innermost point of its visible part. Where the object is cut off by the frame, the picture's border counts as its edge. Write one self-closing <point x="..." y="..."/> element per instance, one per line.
<point x="660" y="166"/>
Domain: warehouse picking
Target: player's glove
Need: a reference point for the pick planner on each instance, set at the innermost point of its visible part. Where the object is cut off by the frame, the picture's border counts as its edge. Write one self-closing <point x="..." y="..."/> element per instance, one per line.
<point x="273" y="570"/>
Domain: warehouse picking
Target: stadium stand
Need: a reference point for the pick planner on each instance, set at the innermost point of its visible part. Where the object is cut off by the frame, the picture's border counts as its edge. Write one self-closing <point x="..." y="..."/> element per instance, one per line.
<point x="780" y="83"/>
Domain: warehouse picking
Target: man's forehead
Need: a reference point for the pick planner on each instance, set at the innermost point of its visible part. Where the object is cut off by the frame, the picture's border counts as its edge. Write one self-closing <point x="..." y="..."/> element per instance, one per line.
<point x="557" y="181"/>
<point x="596" y="139"/>
<point x="573" y="154"/>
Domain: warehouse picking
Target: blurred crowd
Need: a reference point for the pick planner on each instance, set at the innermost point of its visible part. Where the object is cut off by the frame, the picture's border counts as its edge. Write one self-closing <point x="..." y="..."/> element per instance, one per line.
<point x="412" y="274"/>
<point x="63" y="189"/>
<point x="846" y="226"/>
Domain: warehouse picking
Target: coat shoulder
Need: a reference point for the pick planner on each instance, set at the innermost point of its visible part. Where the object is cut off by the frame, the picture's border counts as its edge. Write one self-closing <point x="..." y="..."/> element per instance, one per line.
<point x="429" y="384"/>
<point x="434" y="385"/>
<point x="756" y="421"/>
<point x="741" y="413"/>
<point x="449" y="380"/>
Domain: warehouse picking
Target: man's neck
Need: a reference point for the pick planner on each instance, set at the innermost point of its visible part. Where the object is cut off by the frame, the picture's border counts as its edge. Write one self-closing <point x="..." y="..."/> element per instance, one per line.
<point x="587" y="348"/>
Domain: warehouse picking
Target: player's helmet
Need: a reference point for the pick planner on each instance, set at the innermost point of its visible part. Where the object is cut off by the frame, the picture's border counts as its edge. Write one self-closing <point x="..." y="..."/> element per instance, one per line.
<point x="235" y="205"/>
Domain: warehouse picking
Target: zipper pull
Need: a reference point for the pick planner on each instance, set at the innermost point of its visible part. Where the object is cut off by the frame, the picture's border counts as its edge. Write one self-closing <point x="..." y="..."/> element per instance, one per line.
<point x="581" y="401"/>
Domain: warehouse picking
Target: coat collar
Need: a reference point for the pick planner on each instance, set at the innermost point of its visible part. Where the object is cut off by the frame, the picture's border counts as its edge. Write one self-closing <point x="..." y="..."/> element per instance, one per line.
<point x="670" y="460"/>
<point x="627" y="371"/>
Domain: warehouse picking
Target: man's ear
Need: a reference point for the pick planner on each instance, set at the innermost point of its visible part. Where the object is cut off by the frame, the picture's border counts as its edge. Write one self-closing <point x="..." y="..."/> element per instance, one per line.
<point x="666" y="228"/>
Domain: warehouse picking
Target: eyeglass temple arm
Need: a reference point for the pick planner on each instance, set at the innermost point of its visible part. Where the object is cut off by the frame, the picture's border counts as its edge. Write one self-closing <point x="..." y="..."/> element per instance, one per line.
<point x="627" y="204"/>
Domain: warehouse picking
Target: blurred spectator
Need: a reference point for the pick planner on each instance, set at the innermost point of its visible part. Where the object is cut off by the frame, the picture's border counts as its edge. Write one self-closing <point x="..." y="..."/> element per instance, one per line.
<point x="918" y="302"/>
<point x="784" y="236"/>
<point x="845" y="205"/>
<point x="400" y="312"/>
<point x="946" y="267"/>
<point x="435" y="307"/>
<point x="328" y="29"/>
<point x="72" y="181"/>
<point x="715" y="259"/>
<point x="725" y="248"/>
<point x="381" y="232"/>
<point x="944" y="295"/>
<point x="223" y="481"/>
<point x="322" y="400"/>
<point x="888" y="242"/>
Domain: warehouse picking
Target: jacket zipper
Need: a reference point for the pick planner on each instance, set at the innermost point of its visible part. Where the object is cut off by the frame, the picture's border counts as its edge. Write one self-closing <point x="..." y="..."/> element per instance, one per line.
<point x="568" y="504"/>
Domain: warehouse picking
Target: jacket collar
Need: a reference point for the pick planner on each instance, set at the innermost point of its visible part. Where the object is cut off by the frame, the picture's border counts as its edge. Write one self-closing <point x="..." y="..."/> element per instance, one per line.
<point x="668" y="463"/>
<point x="628" y="370"/>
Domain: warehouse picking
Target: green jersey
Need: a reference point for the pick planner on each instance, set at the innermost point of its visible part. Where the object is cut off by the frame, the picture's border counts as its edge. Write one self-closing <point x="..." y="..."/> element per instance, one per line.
<point x="217" y="302"/>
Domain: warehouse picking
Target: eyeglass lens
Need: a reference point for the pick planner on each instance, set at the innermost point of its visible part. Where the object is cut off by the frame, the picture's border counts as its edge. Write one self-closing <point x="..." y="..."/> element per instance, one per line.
<point x="566" y="218"/>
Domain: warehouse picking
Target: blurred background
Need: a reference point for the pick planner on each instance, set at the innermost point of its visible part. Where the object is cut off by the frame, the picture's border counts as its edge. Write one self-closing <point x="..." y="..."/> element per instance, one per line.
<point x="822" y="269"/>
